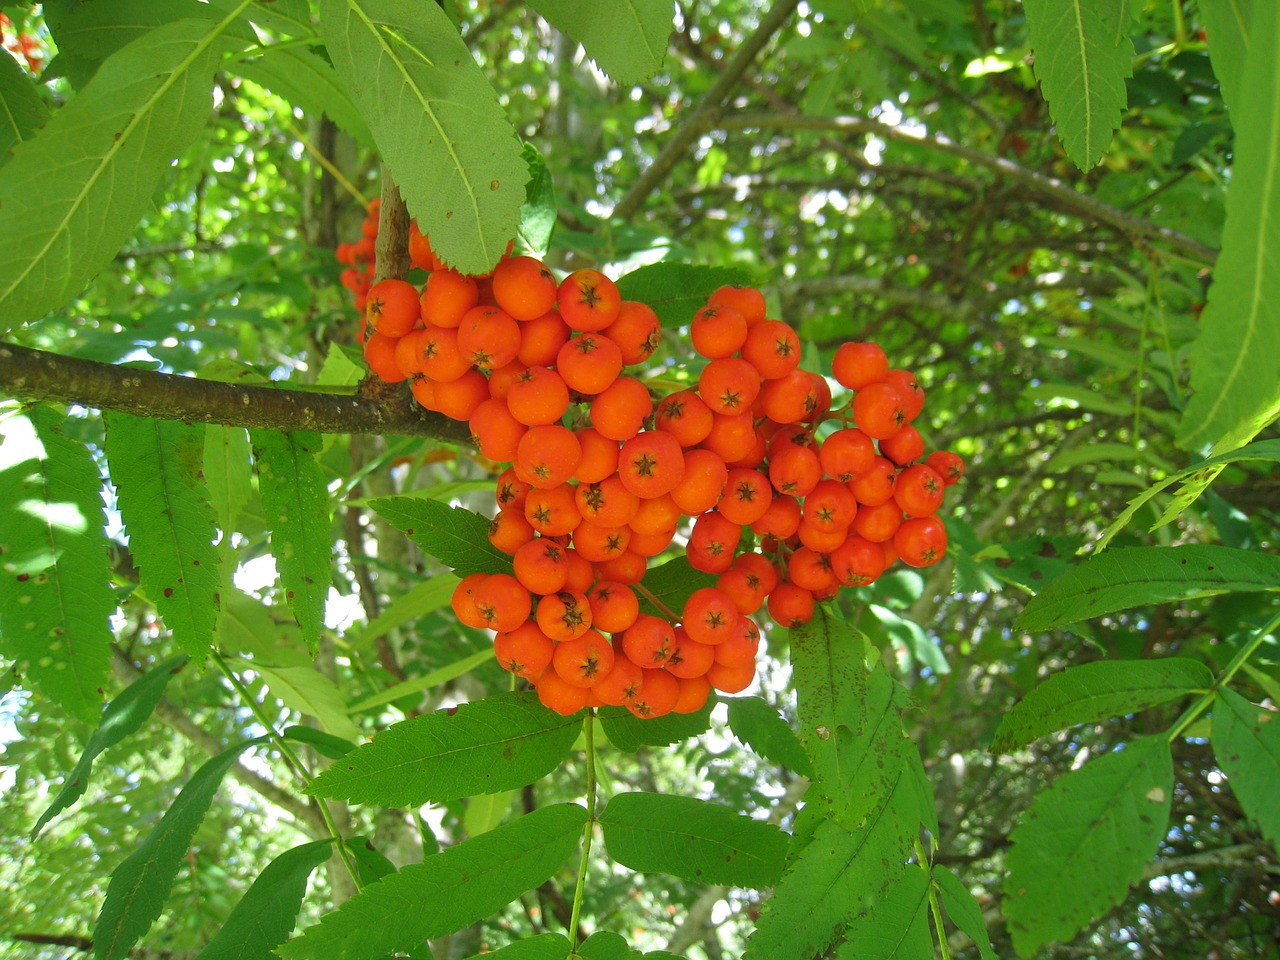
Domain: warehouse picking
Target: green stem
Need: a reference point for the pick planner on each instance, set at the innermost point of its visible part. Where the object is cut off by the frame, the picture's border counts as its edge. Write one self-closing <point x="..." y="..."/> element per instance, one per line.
<point x="934" y="907"/>
<point x="662" y="607"/>
<point x="587" y="831"/>
<point x="291" y="760"/>
<point x="1206" y="699"/>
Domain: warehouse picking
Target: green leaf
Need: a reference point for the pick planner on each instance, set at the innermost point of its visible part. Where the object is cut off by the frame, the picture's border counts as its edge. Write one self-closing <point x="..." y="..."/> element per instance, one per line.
<point x="764" y="730"/>
<point x="21" y="109"/>
<point x="1098" y="691"/>
<point x="425" y="682"/>
<point x="1139" y="576"/>
<point x="1082" y="60"/>
<point x="248" y="626"/>
<point x="538" y="215"/>
<point x="265" y="915"/>
<point x="431" y="108"/>
<point x="418" y="601"/>
<point x="672" y="584"/>
<point x="692" y="839"/>
<point x="308" y="691"/>
<point x="456" y="537"/>
<point x="228" y="474"/>
<point x="676" y="291"/>
<point x="296" y="502"/>
<point x="895" y="926"/>
<point x="1197" y="477"/>
<point x="830" y="677"/>
<point x="910" y="636"/>
<point x="97" y="162"/>
<point x="371" y="863"/>
<point x="486" y="811"/>
<point x="155" y="466"/>
<point x="963" y="909"/>
<point x="629" y="733"/>
<point x="325" y="744"/>
<point x="1246" y="741"/>
<point x="121" y="717"/>
<point x="140" y="885"/>
<point x="308" y="81"/>
<point x="55" y="575"/>
<point x="604" y="945"/>
<point x="1227" y="31"/>
<point x="626" y="38"/>
<point x="503" y="741"/>
<point x="548" y="946"/>
<point x="1232" y="398"/>
<point x="446" y="892"/>
<point x="1084" y="842"/>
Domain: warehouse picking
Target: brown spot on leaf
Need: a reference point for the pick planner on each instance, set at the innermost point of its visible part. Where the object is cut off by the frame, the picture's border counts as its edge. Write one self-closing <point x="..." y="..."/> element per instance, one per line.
<point x="168" y="592"/>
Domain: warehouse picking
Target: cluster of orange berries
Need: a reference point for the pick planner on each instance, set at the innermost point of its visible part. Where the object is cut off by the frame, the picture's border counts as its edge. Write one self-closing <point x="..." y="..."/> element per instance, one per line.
<point x="602" y="478"/>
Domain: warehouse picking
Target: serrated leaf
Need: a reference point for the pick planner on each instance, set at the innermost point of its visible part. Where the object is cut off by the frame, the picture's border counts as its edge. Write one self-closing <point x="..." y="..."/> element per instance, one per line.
<point x="538" y="215"/>
<point x="430" y="107"/>
<point x="1240" y="325"/>
<point x="626" y="38"/>
<point x="308" y="691"/>
<point x="248" y="626"/>
<point x="456" y="537"/>
<point x="1226" y="30"/>
<point x="124" y="715"/>
<point x="1139" y="576"/>
<point x="1098" y="691"/>
<point x="1246" y="741"/>
<point x="140" y="886"/>
<point x="371" y="863"/>
<point x="1197" y="477"/>
<point x="306" y="80"/>
<point x="548" y="946"/>
<point x="266" y="914"/>
<point x="1082" y="61"/>
<point x="676" y="291"/>
<point x="486" y="811"/>
<point x="98" y="161"/>
<point x="155" y="466"/>
<point x="446" y="892"/>
<point x="764" y="730"/>
<point x="21" y="109"/>
<point x="830" y="678"/>
<point x="296" y="503"/>
<point x="325" y="744"/>
<point x="1085" y="840"/>
<point x="55" y="594"/>
<point x="910" y="636"/>
<point x="629" y="733"/>
<point x="963" y="909"/>
<point x="503" y="741"/>
<point x="426" y="682"/>
<point x="228" y="474"/>
<point x="895" y="926"/>
<point x="672" y="584"/>
<point x="692" y="839"/>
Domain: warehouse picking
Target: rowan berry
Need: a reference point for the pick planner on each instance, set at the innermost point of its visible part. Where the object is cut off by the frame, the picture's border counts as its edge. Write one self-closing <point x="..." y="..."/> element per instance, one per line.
<point x="949" y="465"/>
<point x="731" y="436"/>
<point x="463" y="601"/>
<point x="648" y="642"/>
<point x="830" y="504"/>
<point x="502" y="602"/>
<point x="651" y="463"/>
<point x="380" y="355"/>
<point x="628" y="568"/>
<point x="693" y="694"/>
<point x="709" y="615"/>
<point x="856" y="365"/>
<point x="582" y="573"/>
<point x="789" y="605"/>
<point x="731" y="679"/>
<point x="781" y="520"/>
<point x="705" y="475"/>
<point x="729" y="385"/>
<point x="904" y="447"/>
<point x="585" y="660"/>
<point x="458" y="399"/>
<point x="791" y="398"/>
<point x="621" y="685"/>
<point x="488" y="337"/>
<point x="614" y="606"/>
<point x="495" y="431"/>
<point x="651" y="544"/>
<point x="857" y="562"/>
<point x="509" y="530"/>
<point x="589" y="363"/>
<point x="920" y="541"/>
<point x="511" y="491"/>
<point x="919" y="490"/>
<point x="442" y="361"/>
<point x="409" y="352"/>
<point x="420" y="253"/>
<point x="607" y="502"/>
<point x="773" y="348"/>
<point x="537" y="396"/>
<point x="524" y="287"/>
<point x="637" y="331"/>
<point x="821" y="538"/>
<point x="598" y="543"/>
<point x="547" y="455"/>
<point x="659" y="693"/>
<point x="847" y="454"/>
<point x="557" y="695"/>
<point x="655" y="514"/>
<point x="747" y="495"/>
<point x="748" y="301"/>
<point x="564" y="616"/>
<point x="876" y="485"/>
<point x="552" y="512"/>
<point x="794" y="470"/>
<point x="620" y="410"/>
<point x="684" y="416"/>
<point x="712" y="543"/>
<point x="540" y="564"/>
<point x="541" y="339"/>
<point x="525" y="651"/>
<point x="739" y="649"/>
<point x="392" y="307"/>
<point x="689" y="657"/>
<point x="446" y="297"/>
<point x="588" y="300"/>
<point x="908" y="387"/>
<point x="718" y="331"/>
<point x="599" y="456"/>
<point x="878" y="523"/>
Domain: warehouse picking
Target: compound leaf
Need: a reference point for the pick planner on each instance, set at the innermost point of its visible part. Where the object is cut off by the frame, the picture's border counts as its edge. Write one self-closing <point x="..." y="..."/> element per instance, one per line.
<point x="503" y="741"/>
<point x="265" y="915"/>
<point x="120" y="718"/>
<point x="296" y="502"/>
<point x="455" y="536"/>
<point x="155" y="466"/>
<point x="764" y="730"/>
<point x="55" y="575"/>
<point x="430" y="108"/>
<point x="308" y="691"/>
<point x="1098" y="691"/>
<point x="627" y="38"/>
<point x="1082" y="59"/>
<point x="693" y="839"/>
<point x="1138" y="576"/>
<point x="97" y="163"/>
<point x="629" y="733"/>
<point x="446" y="892"/>
<point x="895" y="926"/>
<point x="1085" y="840"/>
<point x="141" y="884"/>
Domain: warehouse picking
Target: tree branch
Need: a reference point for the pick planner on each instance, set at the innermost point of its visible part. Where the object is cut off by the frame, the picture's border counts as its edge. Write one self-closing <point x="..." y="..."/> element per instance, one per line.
<point x="1080" y="204"/>
<point x="703" y="115"/>
<point x="28" y="374"/>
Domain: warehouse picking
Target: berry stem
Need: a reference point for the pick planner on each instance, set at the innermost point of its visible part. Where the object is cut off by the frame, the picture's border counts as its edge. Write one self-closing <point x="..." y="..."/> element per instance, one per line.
<point x="662" y="607"/>
<point x="587" y="831"/>
<point x="291" y="760"/>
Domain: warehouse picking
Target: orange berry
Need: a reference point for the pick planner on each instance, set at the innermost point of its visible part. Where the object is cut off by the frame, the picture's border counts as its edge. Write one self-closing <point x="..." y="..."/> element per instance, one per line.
<point x="718" y="331"/>
<point x="693" y="695"/>
<point x="732" y="437"/>
<point x="875" y="486"/>
<point x="794" y="470"/>
<point x="509" y="530"/>
<point x="588" y="300"/>
<point x="651" y="544"/>
<point x="904" y="447"/>
<point x="420" y="253"/>
<point x="502" y="602"/>
<point x="949" y="465"/>
<point x="614" y="606"/>
<point x="920" y="541"/>
<point x="581" y="572"/>
<point x="552" y="512"/>
<point x="659" y="692"/>
<point x="705" y="475"/>
<point x="637" y="331"/>
<point x="747" y="495"/>
<point x="709" y="615"/>
<point x="564" y="616"/>
<point x="731" y="679"/>
<point x="689" y="657"/>
<point x="525" y="651"/>
<point x="409" y="352"/>
<point x="847" y="454"/>
<point x="541" y="339"/>
<point x="446" y="297"/>
<point x="392" y="307"/>
<point x="650" y="464"/>
<point x="629" y="568"/>
<point x="458" y="399"/>
<point x="463" y="601"/>
<point x="729" y="385"/>
<point x="857" y="562"/>
<point x="791" y="398"/>
<point x="908" y="387"/>
<point x="739" y="649"/>
<point x="790" y="606"/>
<point x="712" y="543"/>
<point x="878" y="523"/>
<point x="495" y="431"/>
<point x="648" y="641"/>
<point x="488" y="337"/>
<point x="547" y="455"/>
<point x="380" y="354"/>
<point x="599" y="456"/>
<point x="524" y="287"/>
<point x="441" y="359"/>
<point x="540" y="564"/>
<point x="511" y="491"/>
<point x="620" y="685"/>
<point x="619" y="411"/>
<point x="810" y="570"/>
<point x="919" y="490"/>
<point x="557" y="695"/>
<point x="589" y="363"/>
<point x="607" y="503"/>
<point x="598" y="544"/>
<point x="856" y="365"/>
<point x="655" y="514"/>
<point x="773" y="348"/>
<point x="584" y="661"/>
<point x="781" y="520"/>
<point x="878" y="410"/>
<point x="748" y="301"/>
<point x="538" y="396"/>
<point x="685" y="417"/>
